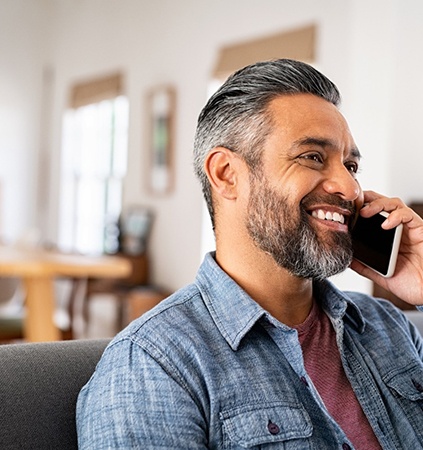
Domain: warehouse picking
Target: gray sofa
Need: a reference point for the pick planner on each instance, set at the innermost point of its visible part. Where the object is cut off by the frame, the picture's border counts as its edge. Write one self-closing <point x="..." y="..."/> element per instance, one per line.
<point x="39" y="385"/>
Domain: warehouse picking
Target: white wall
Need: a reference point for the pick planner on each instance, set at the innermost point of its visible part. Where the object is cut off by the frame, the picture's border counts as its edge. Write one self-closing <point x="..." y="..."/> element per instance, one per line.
<point x="365" y="47"/>
<point x="23" y="50"/>
<point x="405" y="172"/>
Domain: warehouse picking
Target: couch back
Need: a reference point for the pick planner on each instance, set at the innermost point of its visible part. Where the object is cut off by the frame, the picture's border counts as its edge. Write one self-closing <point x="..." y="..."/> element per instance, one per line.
<point x="39" y="385"/>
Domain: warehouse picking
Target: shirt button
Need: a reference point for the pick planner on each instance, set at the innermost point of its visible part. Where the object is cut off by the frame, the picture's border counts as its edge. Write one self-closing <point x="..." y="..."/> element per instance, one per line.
<point x="345" y="446"/>
<point x="304" y="381"/>
<point x="273" y="428"/>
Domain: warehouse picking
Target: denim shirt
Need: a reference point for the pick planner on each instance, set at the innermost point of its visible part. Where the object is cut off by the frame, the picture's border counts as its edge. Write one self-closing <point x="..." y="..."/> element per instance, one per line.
<point x="208" y="368"/>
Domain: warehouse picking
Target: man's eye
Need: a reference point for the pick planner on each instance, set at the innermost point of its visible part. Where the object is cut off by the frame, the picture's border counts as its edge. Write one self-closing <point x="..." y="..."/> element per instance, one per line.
<point x="315" y="157"/>
<point x="352" y="167"/>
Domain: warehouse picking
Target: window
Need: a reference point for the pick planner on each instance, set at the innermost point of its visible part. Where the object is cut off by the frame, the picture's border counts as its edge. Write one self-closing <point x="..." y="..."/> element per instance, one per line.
<point x="93" y="167"/>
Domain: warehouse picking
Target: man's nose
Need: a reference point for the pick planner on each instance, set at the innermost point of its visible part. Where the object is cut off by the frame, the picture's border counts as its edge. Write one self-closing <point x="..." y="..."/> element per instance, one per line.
<point x="340" y="181"/>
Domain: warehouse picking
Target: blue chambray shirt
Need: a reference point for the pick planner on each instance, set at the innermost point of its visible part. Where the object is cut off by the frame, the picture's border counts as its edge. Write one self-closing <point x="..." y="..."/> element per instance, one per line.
<point x="210" y="369"/>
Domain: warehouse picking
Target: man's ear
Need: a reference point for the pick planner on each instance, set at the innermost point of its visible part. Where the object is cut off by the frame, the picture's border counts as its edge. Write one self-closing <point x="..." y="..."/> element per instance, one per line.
<point x="222" y="168"/>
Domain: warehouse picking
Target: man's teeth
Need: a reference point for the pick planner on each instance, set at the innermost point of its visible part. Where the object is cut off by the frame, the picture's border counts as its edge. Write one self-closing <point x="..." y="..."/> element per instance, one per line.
<point x="320" y="214"/>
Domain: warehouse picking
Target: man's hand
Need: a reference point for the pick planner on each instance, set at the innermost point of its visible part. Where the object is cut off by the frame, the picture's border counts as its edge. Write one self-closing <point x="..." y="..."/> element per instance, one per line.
<point x="407" y="282"/>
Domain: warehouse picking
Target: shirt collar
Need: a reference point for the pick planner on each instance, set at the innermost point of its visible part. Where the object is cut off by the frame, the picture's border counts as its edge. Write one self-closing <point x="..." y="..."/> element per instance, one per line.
<point x="231" y="308"/>
<point x="338" y="304"/>
<point x="235" y="312"/>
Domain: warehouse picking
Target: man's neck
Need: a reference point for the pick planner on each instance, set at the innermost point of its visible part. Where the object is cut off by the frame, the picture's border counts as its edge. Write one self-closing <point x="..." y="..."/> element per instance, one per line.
<point x="287" y="298"/>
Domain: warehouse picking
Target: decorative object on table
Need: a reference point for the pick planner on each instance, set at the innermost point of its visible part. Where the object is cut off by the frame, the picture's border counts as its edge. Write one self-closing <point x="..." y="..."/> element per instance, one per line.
<point x="135" y="226"/>
<point x="161" y="129"/>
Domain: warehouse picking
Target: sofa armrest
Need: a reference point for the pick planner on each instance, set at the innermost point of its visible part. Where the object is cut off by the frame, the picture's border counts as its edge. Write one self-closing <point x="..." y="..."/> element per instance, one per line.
<point x="39" y="385"/>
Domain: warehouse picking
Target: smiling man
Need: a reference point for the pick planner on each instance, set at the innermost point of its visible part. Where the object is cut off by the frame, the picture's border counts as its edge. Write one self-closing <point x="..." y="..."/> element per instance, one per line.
<point x="262" y="351"/>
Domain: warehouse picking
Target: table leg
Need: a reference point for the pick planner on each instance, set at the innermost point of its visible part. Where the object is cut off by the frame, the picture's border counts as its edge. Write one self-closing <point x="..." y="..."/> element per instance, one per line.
<point x="39" y="323"/>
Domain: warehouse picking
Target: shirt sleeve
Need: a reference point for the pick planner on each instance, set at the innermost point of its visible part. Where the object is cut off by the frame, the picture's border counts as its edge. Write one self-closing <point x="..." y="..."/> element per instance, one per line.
<point x="132" y="402"/>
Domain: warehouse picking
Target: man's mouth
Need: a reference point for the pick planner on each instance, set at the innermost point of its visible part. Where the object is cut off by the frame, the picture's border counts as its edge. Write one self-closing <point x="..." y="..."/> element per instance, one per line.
<point x="328" y="215"/>
<point x="336" y="213"/>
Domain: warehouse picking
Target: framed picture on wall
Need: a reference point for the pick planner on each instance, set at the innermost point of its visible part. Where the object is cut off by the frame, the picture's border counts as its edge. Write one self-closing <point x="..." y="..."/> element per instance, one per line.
<point x="161" y="129"/>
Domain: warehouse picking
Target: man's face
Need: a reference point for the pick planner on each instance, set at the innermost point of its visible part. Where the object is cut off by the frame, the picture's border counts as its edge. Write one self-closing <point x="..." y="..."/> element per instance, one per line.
<point x="303" y="200"/>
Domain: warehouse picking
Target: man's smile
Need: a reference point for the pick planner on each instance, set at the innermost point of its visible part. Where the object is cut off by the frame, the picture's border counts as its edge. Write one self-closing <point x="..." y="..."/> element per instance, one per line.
<point x="328" y="215"/>
<point x="333" y="217"/>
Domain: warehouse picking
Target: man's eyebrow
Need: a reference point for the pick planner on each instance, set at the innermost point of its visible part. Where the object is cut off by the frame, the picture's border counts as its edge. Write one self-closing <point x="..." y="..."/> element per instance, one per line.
<point x="323" y="142"/>
<point x="355" y="152"/>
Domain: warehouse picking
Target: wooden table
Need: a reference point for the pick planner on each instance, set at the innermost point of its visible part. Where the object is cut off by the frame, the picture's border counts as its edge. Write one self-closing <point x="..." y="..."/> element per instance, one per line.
<point x="38" y="269"/>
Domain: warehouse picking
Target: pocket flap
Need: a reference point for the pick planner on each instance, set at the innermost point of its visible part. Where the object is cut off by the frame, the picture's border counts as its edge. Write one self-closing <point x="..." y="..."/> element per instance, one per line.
<point x="408" y="383"/>
<point x="251" y="425"/>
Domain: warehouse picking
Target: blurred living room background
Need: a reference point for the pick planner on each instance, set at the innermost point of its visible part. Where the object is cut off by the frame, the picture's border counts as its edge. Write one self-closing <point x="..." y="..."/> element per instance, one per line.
<point x="98" y="107"/>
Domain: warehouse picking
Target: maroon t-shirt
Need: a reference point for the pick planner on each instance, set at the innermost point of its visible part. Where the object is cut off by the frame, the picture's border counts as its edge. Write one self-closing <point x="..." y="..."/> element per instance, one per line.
<point x="323" y="364"/>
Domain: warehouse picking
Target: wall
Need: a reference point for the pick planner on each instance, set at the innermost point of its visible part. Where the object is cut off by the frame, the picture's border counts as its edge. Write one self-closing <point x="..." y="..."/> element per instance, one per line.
<point x="405" y="173"/>
<point x="24" y="27"/>
<point x="366" y="47"/>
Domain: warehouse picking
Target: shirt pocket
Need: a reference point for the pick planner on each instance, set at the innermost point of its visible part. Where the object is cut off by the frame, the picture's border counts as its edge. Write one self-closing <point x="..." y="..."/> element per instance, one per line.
<point x="407" y="387"/>
<point x="267" y="426"/>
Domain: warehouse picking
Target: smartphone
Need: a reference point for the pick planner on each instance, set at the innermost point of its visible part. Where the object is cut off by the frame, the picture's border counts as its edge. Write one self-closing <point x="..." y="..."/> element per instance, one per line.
<point x="375" y="247"/>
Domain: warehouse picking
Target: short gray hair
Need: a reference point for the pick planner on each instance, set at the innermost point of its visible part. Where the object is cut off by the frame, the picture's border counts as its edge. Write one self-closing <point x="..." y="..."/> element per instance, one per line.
<point x="236" y="116"/>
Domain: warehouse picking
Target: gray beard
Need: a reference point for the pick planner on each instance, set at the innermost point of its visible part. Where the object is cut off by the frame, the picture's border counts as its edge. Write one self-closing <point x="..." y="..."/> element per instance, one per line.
<point x="277" y="229"/>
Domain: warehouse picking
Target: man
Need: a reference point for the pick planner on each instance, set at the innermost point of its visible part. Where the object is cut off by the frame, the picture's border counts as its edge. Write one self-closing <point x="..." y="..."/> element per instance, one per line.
<point x="261" y="351"/>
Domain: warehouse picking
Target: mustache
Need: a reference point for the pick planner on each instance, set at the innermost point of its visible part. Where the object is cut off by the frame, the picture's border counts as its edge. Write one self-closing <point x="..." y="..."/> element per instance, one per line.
<point x="332" y="200"/>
